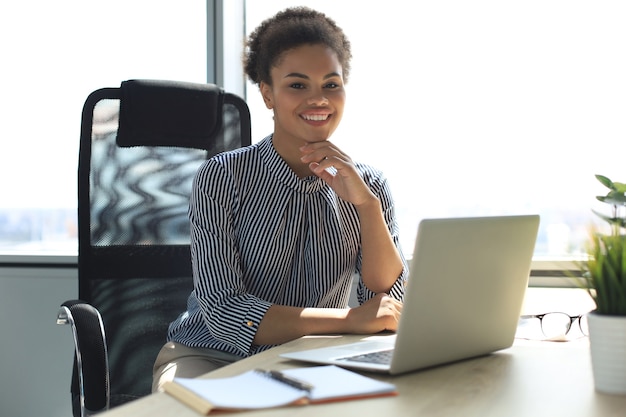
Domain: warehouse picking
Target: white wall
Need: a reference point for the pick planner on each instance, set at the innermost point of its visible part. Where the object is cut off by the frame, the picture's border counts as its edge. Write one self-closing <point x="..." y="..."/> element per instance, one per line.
<point x="35" y="353"/>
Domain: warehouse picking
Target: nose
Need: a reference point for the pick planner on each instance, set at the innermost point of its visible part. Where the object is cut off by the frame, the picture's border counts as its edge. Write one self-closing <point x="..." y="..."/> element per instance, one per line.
<point x="317" y="100"/>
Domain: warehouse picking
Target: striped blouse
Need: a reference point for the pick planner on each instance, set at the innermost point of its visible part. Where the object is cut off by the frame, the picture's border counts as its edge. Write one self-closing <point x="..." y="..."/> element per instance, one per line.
<point x="261" y="235"/>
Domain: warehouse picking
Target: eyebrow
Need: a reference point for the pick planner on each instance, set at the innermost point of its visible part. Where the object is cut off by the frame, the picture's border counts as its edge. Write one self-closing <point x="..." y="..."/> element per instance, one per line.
<point x="306" y="77"/>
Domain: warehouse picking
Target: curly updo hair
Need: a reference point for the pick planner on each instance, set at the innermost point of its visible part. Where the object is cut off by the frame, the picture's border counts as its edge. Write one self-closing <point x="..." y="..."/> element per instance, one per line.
<point x="289" y="29"/>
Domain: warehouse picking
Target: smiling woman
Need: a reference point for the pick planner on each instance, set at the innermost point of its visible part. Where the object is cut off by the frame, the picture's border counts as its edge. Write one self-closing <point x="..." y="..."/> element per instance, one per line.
<point x="281" y="229"/>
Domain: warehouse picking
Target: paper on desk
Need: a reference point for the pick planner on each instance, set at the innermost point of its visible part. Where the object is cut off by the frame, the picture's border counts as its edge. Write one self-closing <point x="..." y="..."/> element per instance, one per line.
<point x="333" y="383"/>
<point x="249" y="390"/>
<point x="254" y="390"/>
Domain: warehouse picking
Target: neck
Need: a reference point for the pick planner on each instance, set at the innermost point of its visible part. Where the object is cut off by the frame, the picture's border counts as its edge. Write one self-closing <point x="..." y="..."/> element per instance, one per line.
<point x="289" y="150"/>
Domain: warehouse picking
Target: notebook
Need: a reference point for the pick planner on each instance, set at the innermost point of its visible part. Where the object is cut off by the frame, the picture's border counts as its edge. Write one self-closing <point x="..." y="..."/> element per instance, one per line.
<point x="257" y="389"/>
<point x="463" y="299"/>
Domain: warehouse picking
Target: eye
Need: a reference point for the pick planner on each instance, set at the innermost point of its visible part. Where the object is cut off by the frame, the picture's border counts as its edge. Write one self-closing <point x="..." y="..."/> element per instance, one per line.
<point x="297" y="86"/>
<point x="332" y="85"/>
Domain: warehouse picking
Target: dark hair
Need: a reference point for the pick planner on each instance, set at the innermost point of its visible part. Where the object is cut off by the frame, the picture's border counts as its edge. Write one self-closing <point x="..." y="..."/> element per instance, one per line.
<point x="289" y="29"/>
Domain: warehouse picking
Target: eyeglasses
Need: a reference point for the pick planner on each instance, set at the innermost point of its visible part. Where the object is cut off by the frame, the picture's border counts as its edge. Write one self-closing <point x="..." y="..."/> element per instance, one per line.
<point x="558" y="324"/>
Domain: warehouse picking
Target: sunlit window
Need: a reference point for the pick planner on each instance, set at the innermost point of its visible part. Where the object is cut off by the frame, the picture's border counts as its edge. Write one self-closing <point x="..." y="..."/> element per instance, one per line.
<point x="470" y="108"/>
<point x="483" y="107"/>
<point x="54" y="54"/>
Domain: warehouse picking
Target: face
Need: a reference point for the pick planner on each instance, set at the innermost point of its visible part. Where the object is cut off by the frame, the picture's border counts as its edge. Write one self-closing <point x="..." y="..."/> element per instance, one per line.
<point x="307" y="96"/>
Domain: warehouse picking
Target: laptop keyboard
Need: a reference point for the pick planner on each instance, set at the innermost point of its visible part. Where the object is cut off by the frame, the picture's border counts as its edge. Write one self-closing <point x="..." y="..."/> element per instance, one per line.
<point x="381" y="356"/>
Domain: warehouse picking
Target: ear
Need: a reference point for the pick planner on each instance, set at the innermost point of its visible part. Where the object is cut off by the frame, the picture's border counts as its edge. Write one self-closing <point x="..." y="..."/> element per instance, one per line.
<point x="266" y="92"/>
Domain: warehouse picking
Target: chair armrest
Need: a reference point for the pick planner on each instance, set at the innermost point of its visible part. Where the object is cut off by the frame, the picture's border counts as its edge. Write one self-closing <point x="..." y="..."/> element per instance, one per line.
<point x="90" y="382"/>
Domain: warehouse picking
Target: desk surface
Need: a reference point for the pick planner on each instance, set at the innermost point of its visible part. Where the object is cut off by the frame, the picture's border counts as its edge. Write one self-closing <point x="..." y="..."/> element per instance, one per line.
<point x="530" y="379"/>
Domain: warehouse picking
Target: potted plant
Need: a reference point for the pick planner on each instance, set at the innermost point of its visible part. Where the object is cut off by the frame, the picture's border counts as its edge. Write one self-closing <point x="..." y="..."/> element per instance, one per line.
<point x="604" y="277"/>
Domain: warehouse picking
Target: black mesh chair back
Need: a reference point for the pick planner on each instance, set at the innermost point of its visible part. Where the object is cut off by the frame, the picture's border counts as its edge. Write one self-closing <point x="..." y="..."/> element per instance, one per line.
<point x="140" y="147"/>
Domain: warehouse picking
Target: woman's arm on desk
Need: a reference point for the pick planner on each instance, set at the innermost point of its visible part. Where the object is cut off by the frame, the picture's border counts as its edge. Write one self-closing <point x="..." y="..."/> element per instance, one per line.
<point x="283" y="323"/>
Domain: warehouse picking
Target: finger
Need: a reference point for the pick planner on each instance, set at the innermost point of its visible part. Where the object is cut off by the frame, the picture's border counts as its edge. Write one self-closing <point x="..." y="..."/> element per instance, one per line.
<point x="395" y="303"/>
<point x="321" y="172"/>
<point x="320" y="155"/>
<point x="398" y="303"/>
<point x="320" y="150"/>
<point x="331" y="161"/>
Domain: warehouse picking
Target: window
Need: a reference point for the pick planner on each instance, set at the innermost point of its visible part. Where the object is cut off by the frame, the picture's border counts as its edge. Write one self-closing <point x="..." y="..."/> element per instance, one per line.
<point x="55" y="54"/>
<point x="470" y="108"/>
<point x="483" y="107"/>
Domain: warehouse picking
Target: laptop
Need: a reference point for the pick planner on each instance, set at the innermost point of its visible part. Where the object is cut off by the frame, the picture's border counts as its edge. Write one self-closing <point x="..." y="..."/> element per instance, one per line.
<point x="463" y="299"/>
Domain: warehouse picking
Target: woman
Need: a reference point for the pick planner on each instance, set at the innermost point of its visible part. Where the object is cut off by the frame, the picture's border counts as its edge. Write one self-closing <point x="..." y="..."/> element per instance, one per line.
<point x="280" y="227"/>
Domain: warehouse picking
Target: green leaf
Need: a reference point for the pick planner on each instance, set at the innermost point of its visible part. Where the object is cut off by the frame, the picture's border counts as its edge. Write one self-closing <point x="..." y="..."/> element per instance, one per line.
<point x="605" y="181"/>
<point x="614" y="197"/>
<point x="619" y="187"/>
<point x="604" y="217"/>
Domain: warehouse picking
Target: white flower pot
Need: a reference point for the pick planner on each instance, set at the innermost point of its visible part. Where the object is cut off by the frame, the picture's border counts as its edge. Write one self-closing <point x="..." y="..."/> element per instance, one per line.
<point x="607" y="340"/>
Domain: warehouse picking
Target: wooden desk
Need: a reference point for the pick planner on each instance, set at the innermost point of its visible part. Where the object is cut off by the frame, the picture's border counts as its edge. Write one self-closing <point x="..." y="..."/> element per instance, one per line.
<point x="531" y="379"/>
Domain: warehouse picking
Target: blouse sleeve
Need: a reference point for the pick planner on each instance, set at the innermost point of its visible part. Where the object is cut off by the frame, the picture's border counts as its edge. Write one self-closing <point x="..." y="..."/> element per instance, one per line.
<point x="231" y="314"/>
<point x="380" y="187"/>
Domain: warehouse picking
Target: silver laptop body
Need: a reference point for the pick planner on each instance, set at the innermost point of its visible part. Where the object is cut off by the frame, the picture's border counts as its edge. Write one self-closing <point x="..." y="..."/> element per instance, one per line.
<point x="468" y="277"/>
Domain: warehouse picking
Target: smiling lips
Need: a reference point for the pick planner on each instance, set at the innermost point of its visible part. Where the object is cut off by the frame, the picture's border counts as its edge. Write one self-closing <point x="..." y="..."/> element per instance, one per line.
<point x="315" y="117"/>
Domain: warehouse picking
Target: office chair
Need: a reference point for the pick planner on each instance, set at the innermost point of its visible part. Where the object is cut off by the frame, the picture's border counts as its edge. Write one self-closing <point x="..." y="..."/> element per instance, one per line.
<point x="140" y="147"/>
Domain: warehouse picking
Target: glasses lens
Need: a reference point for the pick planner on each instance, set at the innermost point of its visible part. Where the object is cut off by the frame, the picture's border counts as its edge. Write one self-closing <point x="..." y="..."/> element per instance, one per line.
<point x="555" y="324"/>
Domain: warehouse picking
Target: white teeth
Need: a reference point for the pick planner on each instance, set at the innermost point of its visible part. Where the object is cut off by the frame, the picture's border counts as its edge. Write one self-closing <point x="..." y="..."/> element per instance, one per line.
<point x="315" y="117"/>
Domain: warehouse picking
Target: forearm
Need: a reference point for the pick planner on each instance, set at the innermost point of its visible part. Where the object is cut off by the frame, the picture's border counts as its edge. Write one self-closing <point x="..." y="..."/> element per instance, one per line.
<point x="283" y="323"/>
<point x="381" y="261"/>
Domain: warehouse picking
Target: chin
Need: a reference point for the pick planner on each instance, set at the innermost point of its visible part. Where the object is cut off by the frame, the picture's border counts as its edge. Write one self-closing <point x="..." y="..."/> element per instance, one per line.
<point x="317" y="139"/>
<point x="318" y="136"/>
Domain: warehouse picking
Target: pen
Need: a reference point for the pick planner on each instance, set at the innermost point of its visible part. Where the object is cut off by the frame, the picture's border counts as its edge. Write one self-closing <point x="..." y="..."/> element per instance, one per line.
<point x="292" y="382"/>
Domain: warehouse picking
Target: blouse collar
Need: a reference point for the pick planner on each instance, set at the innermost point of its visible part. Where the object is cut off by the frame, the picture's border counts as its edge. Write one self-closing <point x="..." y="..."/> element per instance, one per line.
<point x="283" y="173"/>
